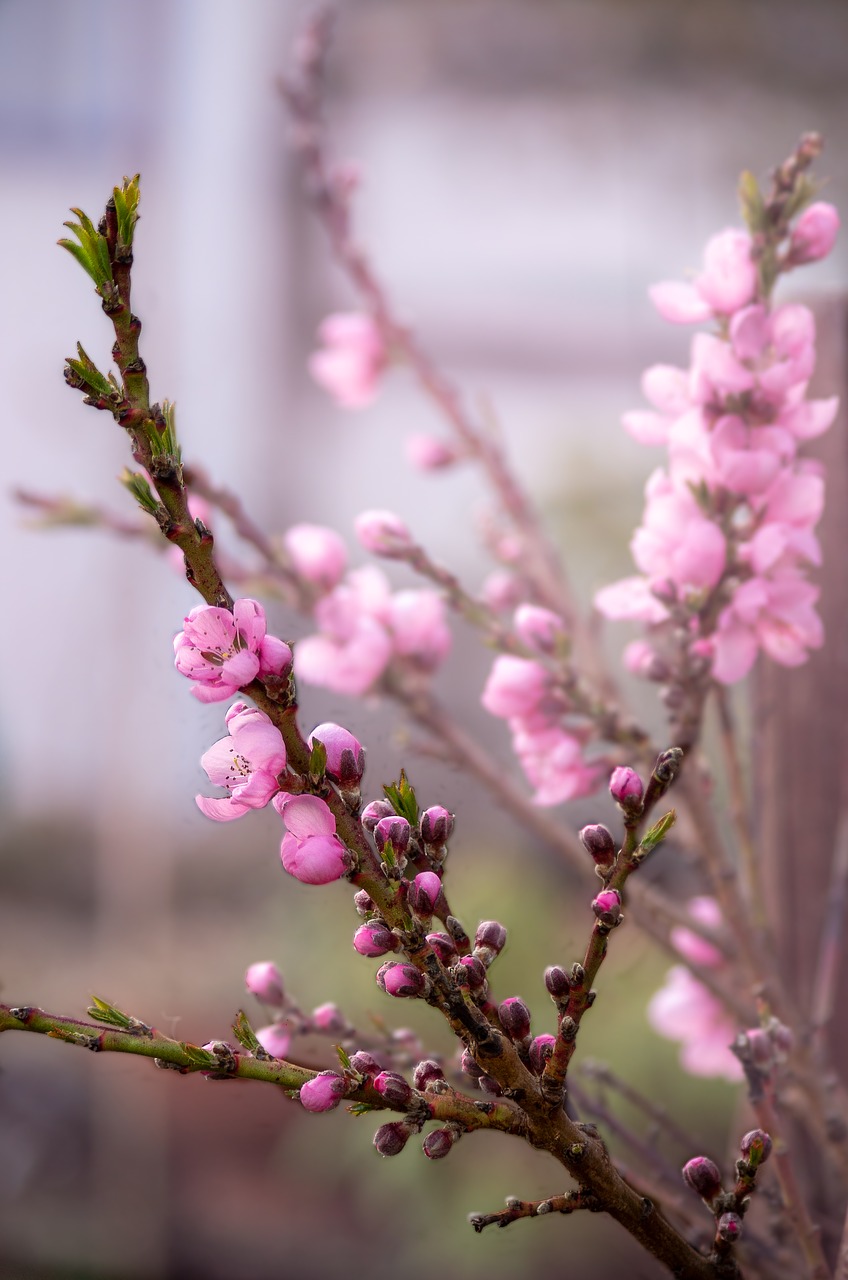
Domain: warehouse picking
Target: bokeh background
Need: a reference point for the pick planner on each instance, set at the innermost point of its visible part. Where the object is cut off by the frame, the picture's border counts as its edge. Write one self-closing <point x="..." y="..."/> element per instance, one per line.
<point x="530" y="166"/>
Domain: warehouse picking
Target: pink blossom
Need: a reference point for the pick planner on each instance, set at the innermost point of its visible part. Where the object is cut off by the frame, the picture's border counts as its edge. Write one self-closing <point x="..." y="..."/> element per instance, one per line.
<point x="774" y="614"/>
<point x="383" y="534"/>
<point x="684" y="1010"/>
<point x="540" y="629"/>
<point x="727" y="282"/>
<point x="311" y="851"/>
<point x="419" y="633"/>
<point x="630" y="598"/>
<point x="814" y="234"/>
<point x="264" y="980"/>
<point x="515" y="687"/>
<point x="223" y="651"/>
<point x="691" y="945"/>
<point x="428" y="453"/>
<point x="675" y="542"/>
<point x="247" y="762"/>
<point x="553" y="763"/>
<point x="275" y="1039"/>
<point x="351" y="360"/>
<point x="352" y="648"/>
<point x="317" y="554"/>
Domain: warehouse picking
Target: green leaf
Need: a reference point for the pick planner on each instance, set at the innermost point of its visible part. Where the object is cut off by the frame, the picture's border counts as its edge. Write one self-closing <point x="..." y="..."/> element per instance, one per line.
<point x="200" y="1057"/>
<point x="92" y="253"/>
<point x="126" y="204"/>
<point x="361" y="1108"/>
<point x="317" y="760"/>
<point x="105" y="1012"/>
<point x="751" y="200"/>
<point x="401" y="796"/>
<point x="86" y="369"/>
<point x="344" y="1057"/>
<point x="244" y="1033"/>
<point x="140" y="490"/>
<point x="657" y="833"/>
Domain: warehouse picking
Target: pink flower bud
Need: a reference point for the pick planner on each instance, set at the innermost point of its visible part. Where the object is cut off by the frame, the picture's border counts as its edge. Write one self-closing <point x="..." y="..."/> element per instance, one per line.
<point x="374" y="813"/>
<point x="365" y="1063"/>
<point x="374" y="939"/>
<point x="427" y="453"/>
<point x="383" y="534"/>
<point x="265" y="981"/>
<point x="329" y="1019"/>
<point x="729" y="1227"/>
<point x="345" y="755"/>
<point x="759" y="1046"/>
<point x="703" y="1177"/>
<point x="436" y="825"/>
<point x="275" y="1039"/>
<point x="390" y="1139"/>
<point x="472" y="973"/>
<point x="557" y="981"/>
<point x="438" y="1143"/>
<point x="393" y="1088"/>
<point x="814" y="233"/>
<point x="515" y="1017"/>
<point x="469" y="1066"/>
<point x="607" y="907"/>
<point x="501" y="590"/>
<point x="626" y="789"/>
<point x="424" y="893"/>
<point x="317" y="554"/>
<point x="540" y="629"/>
<point x="396" y="829"/>
<point x="363" y="902"/>
<point x="756" y="1147"/>
<point x="310" y="850"/>
<point x="540" y="1050"/>
<point x="323" y="1092"/>
<point x="400" y="980"/>
<point x="490" y="940"/>
<point x="444" y="948"/>
<point x="489" y="1085"/>
<point x="598" y="842"/>
<point x="426" y="1073"/>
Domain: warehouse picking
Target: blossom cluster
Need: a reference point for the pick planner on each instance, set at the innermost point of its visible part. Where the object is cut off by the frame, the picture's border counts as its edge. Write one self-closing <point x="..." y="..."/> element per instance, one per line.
<point x="728" y="528"/>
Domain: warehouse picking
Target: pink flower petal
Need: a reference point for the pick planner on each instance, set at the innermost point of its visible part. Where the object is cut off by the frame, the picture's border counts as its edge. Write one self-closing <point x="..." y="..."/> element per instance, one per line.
<point x="679" y="303"/>
<point x="305" y="815"/>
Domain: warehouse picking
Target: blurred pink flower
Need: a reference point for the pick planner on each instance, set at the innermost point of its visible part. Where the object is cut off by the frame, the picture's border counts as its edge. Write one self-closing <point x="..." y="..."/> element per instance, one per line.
<point x="351" y="359"/>
<point x="684" y="1010"/>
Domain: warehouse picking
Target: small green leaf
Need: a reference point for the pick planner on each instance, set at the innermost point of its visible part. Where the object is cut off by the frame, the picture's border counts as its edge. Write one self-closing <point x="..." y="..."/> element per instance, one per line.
<point x="402" y="798"/>
<point x="657" y="833"/>
<point x="105" y="1012"/>
<point x="244" y="1033"/>
<point x="126" y="205"/>
<point x="92" y="253"/>
<point x="140" y="490"/>
<point x="87" y="370"/>
<point x="317" y="760"/>
<point x="200" y="1057"/>
<point x="344" y="1058"/>
<point x="361" y="1108"/>
<point x="751" y="200"/>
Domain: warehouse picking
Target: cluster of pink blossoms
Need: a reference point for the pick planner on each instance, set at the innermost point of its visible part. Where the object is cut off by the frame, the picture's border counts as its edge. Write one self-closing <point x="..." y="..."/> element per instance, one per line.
<point x="363" y="625"/>
<point x="547" y="739"/>
<point x="684" y="1010"/>
<point x="728" y="527"/>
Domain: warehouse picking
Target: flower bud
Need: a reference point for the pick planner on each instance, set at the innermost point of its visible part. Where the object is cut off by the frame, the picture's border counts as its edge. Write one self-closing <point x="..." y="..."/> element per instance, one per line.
<point x="490" y="939"/>
<point x="424" y="893"/>
<point x="626" y="789"/>
<point x="390" y="1139"/>
<point x="323" y="1092"/>
<point x="275" y="1039"/>
<point x="345" y="754"/>
<point x="514" y="1017"/>
<point x="374" y="939"/>
<point x="756" y="1147"/>
<point x="469" y="1066"/>
<point x="729" y="1227"/>
<point x="393" y="1088"/>
<point x="557" y="982"/>
<point x="759" y="1046"/>
<point x="373" y="812"/>
<point x="438" y="1143"/>
<point x="365" y="1063"/>
<point x="395" y="829"/>
<point x="489" y="1085"/>
<point x="329" y="1018"/>
<point x="317" y="554"/>
<point x="607" y="907"/>
<point x="427" y="453"/>
<point x="703" y="1177"/>
<point x="426" y="1072"/>
<point x="814" y="233"/>
<point x="383" y="534"/>
<point x="407" y="1043"/>
<point x="265" y="981"/>
<point x="540" y="629"/>
<point x="540" y="1050"/>
<point x="444" y="948"/>
<point x="472" y="973"/>
<point x="400" y="980"/>
<point x="598" y="842"/>
<point x="436" y="825"/>
<point x="363" y="902"/>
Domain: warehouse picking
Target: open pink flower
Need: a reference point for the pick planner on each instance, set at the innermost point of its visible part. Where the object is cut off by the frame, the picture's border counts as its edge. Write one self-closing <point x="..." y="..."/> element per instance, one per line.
<point x="222" y="651"/>
<point x="247" y="763"/>
<point x="351" y="360"/>
<point x="727" y="282"/>
<point x="311" y="851"/>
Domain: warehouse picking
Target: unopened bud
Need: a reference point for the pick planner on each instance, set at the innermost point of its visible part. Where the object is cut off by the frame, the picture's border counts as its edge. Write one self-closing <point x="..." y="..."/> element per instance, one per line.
<point x="490" y="938"/>
<point x="598" y="842"/>
<point x="345" y="754"/>
<point x="374" y="939"/>
<point x="557" y="982"/>
<point x="514" y="1017"/>
<point x="265" y="981"/>
<point x="756" y="1147"/>
<point x="703" y="1176"/>
<point x="395" y="829"/>
<point x="365" y="1063"/>
<point x="472" y="973"/>
<point x="363" y="902"/>
<point x="426" y="1072"/>
<point x="540" y="629"/>
<point x="607" y="907"/>
<point x="729" y="1227"/>
<point x="489" y="1085"/>
<point x="390" y="1139"/>
<point x="469" y="1066"/>
<point x="275" y="1039"/>
<point x="814" y="234"/>
<point x="400" y="980"/>
<point x="393" y="1088"/>
<point x="424" y="893"/>
<point x="627" y="790"/>
<point x="383" y="534"/>
<point x="436" y="825"/>
<point x="374" y="812"/>
<point x="329" y="1019"/>
<point x="323" y="1092"/>
<point x="540" y="1050"/>
<point x="438" y="1143"/>
<point x="444" y="948"/>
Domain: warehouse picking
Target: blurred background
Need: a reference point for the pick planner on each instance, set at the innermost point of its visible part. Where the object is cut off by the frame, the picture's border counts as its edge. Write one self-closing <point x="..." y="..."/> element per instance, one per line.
<point x="530" y="167"/>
